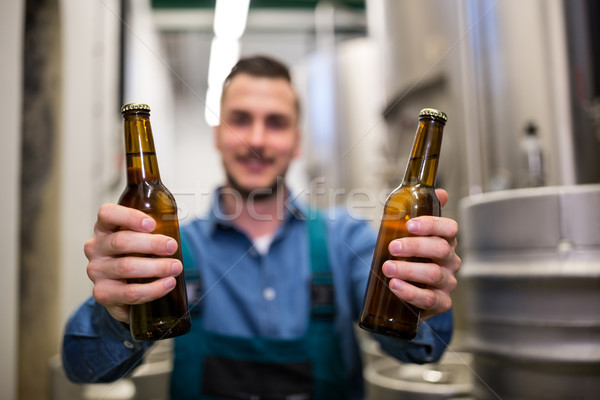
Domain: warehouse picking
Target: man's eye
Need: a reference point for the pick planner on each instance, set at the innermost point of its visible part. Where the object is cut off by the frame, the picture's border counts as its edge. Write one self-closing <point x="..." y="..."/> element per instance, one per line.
<point x="277" y="123"/>
<point x="240" y="120"/>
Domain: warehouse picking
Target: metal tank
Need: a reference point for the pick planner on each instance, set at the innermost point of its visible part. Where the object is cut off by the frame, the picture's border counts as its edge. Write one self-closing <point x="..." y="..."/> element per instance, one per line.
<point x="531" y="276"/>
<point x="451" y="378"/>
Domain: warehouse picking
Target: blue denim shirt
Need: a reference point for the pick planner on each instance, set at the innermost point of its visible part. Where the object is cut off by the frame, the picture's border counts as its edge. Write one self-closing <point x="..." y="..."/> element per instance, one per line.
<point x="246" y="293"/>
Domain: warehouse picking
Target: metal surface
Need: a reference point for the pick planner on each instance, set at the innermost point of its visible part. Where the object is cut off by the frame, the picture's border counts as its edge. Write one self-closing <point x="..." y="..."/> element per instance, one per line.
<point x="388" y="379"/>
<point x="531" y="275"/>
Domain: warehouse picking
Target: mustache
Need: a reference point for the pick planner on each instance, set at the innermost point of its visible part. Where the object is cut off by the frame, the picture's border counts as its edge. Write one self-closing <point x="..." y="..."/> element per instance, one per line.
<point x="256" y="154"/>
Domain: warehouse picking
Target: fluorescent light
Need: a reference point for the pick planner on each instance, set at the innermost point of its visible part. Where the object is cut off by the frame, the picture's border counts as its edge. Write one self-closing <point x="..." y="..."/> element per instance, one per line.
<point x="229" y="26"/>
<point x="230" y="18"/>
<point x="212" y="107"/>
<point x="224" y="53"/>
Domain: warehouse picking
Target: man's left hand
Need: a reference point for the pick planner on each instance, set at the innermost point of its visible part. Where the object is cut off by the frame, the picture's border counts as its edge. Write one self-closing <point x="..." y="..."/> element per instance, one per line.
<point x="435" y="240"/>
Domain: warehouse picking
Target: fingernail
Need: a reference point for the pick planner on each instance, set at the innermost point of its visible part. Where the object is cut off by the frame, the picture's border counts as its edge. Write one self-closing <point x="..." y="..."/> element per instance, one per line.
<point x="148" y="224"/>
<point x="396" y="246"/>
<point x="177" y="267"/>
<point x="171" y="246"/>
<point x="389" y="268"/>
<point x="170" y="283"/>
<point x="395" y="284"/>
<point x="413" y="225"/>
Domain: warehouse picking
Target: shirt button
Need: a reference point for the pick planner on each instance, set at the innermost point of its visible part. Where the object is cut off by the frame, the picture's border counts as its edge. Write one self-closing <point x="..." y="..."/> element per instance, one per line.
<point x="269" y="293"/>
<point x="128" y="344"/>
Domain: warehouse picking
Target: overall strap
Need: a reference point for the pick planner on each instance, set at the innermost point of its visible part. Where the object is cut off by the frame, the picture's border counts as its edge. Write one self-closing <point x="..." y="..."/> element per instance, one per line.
<point x="322" y="292"/>
<point x="193" y="281"/>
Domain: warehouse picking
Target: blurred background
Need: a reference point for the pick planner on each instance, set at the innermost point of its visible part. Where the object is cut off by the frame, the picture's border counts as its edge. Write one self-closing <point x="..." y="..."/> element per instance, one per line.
<point x="519" y="80"/>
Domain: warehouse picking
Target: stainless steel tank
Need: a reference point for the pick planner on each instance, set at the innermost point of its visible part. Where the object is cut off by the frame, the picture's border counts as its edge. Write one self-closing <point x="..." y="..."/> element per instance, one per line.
<point x="451" y="378"/>
<point x="531" y="276"/>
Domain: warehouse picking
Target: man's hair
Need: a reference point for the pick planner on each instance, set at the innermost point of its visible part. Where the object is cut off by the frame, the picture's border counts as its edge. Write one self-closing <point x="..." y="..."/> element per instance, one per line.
<point x="259" y="66"/>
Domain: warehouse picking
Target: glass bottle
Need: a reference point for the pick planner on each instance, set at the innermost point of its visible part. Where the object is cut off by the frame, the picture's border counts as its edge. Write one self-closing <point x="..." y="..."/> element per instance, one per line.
<point x="168" y="316"/>
<point x="383" y="312"/>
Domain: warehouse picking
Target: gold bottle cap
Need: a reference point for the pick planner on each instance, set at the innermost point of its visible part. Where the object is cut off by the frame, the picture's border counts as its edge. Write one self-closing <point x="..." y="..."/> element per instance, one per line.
<point x="135" y="106"/>
<point x="432" y="112"/>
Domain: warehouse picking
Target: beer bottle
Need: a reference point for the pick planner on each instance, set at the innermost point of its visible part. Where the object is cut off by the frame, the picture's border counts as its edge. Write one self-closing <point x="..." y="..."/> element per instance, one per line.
<point x="168" y="316"/>
<point x="382" y="311"/>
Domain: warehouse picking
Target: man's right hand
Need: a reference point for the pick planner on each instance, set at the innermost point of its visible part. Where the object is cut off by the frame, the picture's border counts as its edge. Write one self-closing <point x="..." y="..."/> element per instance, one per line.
<point x="110" y="263"/>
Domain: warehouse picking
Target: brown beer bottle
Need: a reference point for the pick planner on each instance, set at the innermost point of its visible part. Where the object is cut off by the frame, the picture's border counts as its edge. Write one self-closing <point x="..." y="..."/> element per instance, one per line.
<point x="168" y="316"/>
<point x="382" y="311"/>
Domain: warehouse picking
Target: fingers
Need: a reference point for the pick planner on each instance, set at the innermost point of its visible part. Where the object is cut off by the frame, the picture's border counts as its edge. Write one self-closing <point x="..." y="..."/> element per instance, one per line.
<point x="429" y="274"/>
<point x="111" y="293"/>
<point x="133" y="267"/>
<point x="442" y="196"/>
<point x="434" y="297"/>
<point x="433" y="226"/>
<point x="112" y="216"/>
<point x="117" y="294"/>
<point x="430" y="301"/>
<point x="120" y="313"/>
<point x="434" y="248"/>
<point x="434" y="281"/>
<point x="136" y="237"/>
<point x="129" y="242"/>
<point x="110" y="268"/>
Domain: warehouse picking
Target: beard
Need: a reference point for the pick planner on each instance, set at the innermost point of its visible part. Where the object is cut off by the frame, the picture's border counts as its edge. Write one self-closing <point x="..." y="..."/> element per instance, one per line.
<point x="257" y="194"/>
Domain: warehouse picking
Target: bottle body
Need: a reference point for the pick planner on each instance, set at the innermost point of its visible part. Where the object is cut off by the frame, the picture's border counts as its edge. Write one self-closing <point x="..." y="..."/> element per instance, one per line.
<point x="383" y="312"/>
<point x="167" y="316"/>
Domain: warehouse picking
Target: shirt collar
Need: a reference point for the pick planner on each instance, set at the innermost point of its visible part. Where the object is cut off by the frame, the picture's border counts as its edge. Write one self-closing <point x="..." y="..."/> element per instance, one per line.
<point x="292" y="209"/>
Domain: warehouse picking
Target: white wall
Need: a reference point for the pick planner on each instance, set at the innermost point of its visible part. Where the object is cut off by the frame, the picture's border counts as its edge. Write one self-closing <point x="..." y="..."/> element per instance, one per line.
<point x="82" y="127"/>
<point x="361" y="98"/>
<point x="11" y="26"/>
<point x="91" y="132"/>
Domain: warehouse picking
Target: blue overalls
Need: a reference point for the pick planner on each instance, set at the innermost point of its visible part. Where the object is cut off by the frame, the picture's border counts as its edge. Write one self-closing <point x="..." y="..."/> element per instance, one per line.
<point x="214" y="366"/>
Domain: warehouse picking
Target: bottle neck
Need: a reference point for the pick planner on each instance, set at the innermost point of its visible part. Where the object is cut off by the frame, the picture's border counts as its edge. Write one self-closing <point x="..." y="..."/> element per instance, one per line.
<point x="142" y="165"/>
<point x="425" y="154"/>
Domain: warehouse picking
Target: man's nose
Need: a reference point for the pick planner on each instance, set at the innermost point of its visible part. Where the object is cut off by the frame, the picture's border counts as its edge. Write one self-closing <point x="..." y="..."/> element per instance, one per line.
<point x="257" y="135"/>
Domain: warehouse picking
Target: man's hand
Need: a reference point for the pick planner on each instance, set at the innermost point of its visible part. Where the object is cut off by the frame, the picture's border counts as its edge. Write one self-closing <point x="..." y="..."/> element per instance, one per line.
<point x="110" y="263"/>
<point x="435" y="240"/>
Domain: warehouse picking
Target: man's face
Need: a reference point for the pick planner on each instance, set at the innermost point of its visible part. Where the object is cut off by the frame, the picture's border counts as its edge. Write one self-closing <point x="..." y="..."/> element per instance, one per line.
<point x="258" y="135"/>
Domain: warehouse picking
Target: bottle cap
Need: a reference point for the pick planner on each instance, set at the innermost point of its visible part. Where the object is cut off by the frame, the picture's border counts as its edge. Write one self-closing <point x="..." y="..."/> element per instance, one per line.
<point x="432" y="112"/>
<point x="135" y="106"/>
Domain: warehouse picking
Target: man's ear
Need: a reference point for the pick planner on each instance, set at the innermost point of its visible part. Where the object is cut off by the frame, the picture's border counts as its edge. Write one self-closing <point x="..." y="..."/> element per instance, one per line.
<point x="216" y="137"/>
<point x="298" y="146"/>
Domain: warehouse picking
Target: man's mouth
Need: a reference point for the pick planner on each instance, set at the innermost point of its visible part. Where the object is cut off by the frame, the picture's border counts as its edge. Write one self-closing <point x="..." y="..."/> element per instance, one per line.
<point x="254" y="162"/>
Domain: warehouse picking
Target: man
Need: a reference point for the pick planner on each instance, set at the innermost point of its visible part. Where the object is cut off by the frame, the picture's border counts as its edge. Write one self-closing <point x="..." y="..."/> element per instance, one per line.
<point x="280" y="289"/>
